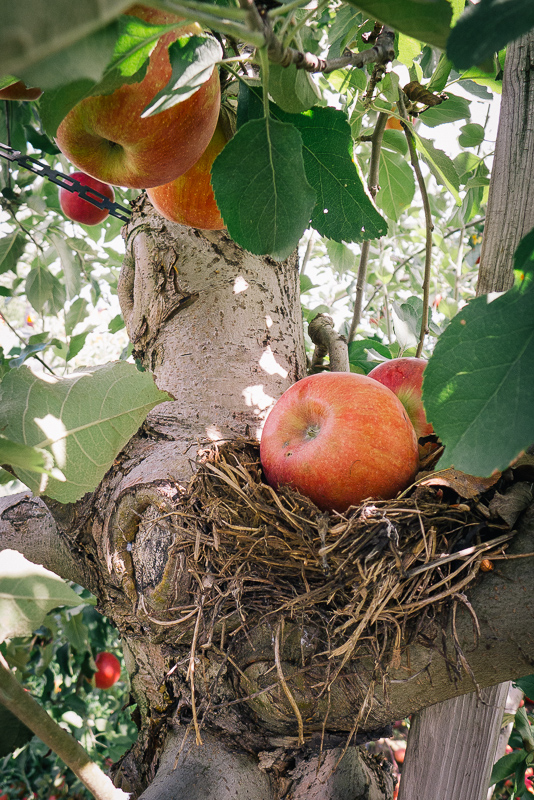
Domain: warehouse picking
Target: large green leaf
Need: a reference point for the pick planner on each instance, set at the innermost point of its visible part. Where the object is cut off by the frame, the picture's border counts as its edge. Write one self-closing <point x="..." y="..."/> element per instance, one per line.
<point x="292" y="89"/>
<point x="478" y="383"/>
<point x="485" y="28"/>
<point x="48" y="28"/>
<point x="452" y="109"/>
<point x="426" y="20"/>
<point x="27" y="593"/>
<point x="344" y="210"/>
<point x="261" y="187"/>
<point x="83" y="421"/>
<point x="397" y="184"/>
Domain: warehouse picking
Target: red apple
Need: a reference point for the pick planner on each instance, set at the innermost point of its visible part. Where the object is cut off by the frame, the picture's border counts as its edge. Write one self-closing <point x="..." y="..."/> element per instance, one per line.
<point x="404" y="376"/>
<point x="106" y="137"/>
<point x="76" y="208"/>
<point x="108" y="670"/>
<point x="19" y="91"/>
<point x="339" y="438"/>
<point x="189" y="199"/>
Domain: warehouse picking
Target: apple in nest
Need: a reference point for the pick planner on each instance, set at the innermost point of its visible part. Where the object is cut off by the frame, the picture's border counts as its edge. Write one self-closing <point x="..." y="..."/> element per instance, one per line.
<point x="189" y="199"/>
<point x="19" y="91"/>
<point x="106" y="137"/>
<point x="76" y="208"/>
<point x="108" y="670"/>
<point x="404" y="376"/>
<point x="339" y="438"/>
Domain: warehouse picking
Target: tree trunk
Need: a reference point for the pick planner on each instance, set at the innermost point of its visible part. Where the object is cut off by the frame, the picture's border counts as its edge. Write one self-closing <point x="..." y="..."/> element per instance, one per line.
<point x="451" y="746"/>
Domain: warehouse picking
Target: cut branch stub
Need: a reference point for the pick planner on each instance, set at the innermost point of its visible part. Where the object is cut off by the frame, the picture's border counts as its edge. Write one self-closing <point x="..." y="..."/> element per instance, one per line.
<point x="328" y="341"/>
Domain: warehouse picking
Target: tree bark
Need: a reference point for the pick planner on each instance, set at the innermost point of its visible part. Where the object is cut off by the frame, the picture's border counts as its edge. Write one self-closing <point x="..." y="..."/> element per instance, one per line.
<point x="451" y="747"/>
<point x="510" y="212"/>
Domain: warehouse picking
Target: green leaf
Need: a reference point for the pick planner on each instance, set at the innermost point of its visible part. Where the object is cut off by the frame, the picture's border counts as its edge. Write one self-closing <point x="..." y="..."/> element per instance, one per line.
<point x="261" y="188"/>
<point x="193" y="60"/>
<point x="441" y="166"/>
<point x="395" y="140"/>
<point x="292" y="89"/>
<point x="70" y="265"/>
<point x="397" y="184"/>
<point x="13" y="732"/>
<point x="116" y="324"/>
<point x="11" y="249"/>
<point x="39" y="287"/>
<point x="82" y="420"/>
<point x="27" y="593"/>
<point x="450" y="110"/>
<point x="341" y="257"/>
<point x="472" y="135"/>
<point x="344" y="210"/>
<point x="76" y="313"/>
<point x="524" y="729"/>
<point x="426" y="20"/>
<point x="440" y="76"/>
<point x="506" y="765"/>
<point x="364" y="354"/>
<point x="485" y="28"/>
<point x="527" y="685"/>
<point x="24" y="457"/>
<point x="76" y="632"/>
<point x="87" y="59"/>
<point x="76" y="344"/>
<point x="409" y="49"/>
<point x="478" y="383"/>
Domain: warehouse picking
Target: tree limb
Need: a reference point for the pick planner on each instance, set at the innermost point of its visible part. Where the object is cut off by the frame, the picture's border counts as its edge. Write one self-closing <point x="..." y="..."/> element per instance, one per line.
<point x="327" y="340"/>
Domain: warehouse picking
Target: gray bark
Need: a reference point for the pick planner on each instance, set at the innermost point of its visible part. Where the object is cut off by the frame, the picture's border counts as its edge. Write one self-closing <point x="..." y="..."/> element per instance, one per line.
<point x="510" y="211"/>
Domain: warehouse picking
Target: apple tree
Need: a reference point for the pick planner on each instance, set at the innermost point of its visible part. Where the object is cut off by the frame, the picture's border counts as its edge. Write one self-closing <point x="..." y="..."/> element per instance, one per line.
<point x="266" y="642"/>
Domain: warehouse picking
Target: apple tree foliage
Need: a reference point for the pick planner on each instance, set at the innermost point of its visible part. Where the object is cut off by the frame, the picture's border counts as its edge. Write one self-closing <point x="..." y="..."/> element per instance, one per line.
<point x="295" y="174"/>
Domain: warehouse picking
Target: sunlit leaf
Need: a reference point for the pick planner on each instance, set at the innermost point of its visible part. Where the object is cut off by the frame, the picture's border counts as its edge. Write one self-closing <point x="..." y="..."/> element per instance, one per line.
<point x="82" y="420"/>
<point x="27" y="593"/>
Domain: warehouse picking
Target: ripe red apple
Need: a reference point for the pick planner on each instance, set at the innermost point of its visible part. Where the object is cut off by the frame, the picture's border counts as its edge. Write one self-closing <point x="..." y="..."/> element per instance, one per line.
<point x="189" y="199"/>
<point x="76" y="208"/>
<point x="108" y="670"/>
<point x="19" y="91"/>
<point x="105" y="136"/>
<point x="339" y="438"/>
<point x="404" y="376"/>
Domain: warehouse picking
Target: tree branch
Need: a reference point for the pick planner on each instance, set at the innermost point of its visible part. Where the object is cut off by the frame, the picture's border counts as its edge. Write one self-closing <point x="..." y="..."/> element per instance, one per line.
<point x="327" y="340"/>
<point x="26" y="525"/>
<point x="428" y="223"/>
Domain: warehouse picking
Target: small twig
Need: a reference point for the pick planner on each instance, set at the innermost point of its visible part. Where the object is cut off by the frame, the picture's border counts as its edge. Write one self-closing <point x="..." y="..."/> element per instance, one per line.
<point x="307" y="253"/>
<point x="327" y="340"/>
<point x="428" y="222"/>
<point x="459" y="259"/>
<point x="366" y="246"/>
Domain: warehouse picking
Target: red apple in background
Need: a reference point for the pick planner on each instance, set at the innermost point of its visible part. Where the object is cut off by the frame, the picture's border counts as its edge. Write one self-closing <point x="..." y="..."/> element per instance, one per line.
<point x="105" y="136"/>
<point x="76" y="208"/>
<point x="108" y="670"/>
<point x="404" y="376"/>
<point x="19" y="91"/>
<point x="339" y="438"/>
<point x="189" y="199"/>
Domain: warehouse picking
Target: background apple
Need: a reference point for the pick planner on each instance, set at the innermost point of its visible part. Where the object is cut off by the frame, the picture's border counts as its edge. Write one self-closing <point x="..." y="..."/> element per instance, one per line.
<point x="108" y="670"/>
<point x="19" y="91"/>
<point x="189" y="199"/>
<point x="404" y="376"/>
<point x="76" y="208"/>
<point x="339" y="438"/>
<point x="105" y="136"/>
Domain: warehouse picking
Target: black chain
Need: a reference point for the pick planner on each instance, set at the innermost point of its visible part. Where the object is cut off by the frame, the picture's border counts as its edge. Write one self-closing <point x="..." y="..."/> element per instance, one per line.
<point x="66" y="182"/>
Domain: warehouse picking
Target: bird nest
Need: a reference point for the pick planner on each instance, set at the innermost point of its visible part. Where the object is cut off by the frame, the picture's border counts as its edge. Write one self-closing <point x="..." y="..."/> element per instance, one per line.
<point x="378" y="572"/>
